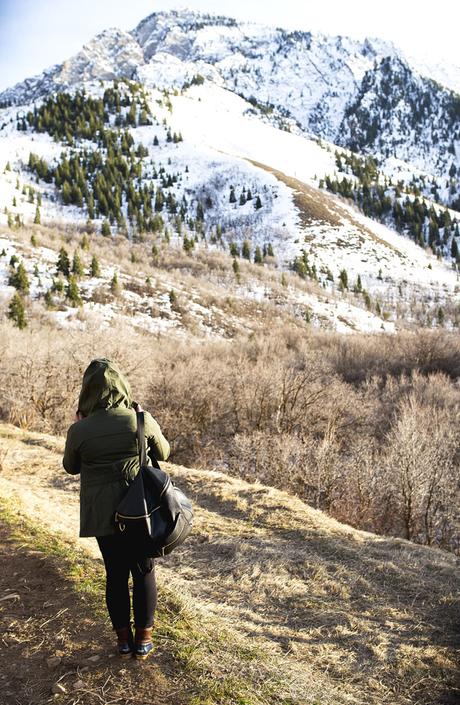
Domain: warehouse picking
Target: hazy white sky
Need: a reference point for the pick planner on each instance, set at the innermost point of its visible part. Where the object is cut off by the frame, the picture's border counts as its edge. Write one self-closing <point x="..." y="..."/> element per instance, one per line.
<point x="35" y="34"/>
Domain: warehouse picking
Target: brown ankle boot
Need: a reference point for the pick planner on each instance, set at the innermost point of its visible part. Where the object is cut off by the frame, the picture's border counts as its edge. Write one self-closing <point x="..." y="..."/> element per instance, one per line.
<point x="143" y="646"/>
<point x="125" y="642"/>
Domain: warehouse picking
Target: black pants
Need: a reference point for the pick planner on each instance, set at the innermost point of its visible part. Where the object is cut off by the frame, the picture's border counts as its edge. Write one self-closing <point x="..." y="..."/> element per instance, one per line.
<point x="119" y="562"/>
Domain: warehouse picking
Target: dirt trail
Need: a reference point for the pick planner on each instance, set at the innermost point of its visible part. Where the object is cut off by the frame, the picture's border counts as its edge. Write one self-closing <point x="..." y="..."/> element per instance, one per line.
<point x="375" y="618"/>
<point x="316" y="207"/>
<point x="50" y="638"/>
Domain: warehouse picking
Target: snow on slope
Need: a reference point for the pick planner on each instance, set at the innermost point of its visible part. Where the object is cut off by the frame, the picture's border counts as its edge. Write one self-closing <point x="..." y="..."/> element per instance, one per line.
<point x="221" y="140"/>
<point x="149" y="307"/>
<point x="311" y="79"/>
<point x="213" y="116"/>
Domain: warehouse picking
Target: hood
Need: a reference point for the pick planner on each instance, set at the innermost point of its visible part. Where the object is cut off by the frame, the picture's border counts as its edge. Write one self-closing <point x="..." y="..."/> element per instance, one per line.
<point x="103" y="387"/>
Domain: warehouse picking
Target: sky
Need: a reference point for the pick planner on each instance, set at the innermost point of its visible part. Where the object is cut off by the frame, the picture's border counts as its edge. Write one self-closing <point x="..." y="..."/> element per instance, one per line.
<point x="35" y="34"/>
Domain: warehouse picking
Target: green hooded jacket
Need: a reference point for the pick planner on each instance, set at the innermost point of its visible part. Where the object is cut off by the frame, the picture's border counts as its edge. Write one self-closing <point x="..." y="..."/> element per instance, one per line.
<point x="102" y="447"/>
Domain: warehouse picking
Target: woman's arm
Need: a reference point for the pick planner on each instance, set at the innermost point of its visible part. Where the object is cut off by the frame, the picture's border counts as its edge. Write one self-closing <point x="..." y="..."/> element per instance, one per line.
<point x="71" y="460"/>
<point x="156" y="442"/>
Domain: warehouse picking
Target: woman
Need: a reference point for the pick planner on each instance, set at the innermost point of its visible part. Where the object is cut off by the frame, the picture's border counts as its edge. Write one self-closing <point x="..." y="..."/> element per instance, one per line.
<point x="102" y="446"/>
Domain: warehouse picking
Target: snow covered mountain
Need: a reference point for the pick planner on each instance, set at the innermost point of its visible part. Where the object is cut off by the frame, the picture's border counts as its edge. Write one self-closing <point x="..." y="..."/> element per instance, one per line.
<point x="316" y="80"/>
<point x="209" y="133"/>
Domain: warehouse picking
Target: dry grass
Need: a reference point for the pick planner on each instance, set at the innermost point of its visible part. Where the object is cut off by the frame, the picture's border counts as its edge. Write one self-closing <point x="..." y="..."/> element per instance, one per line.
<point x="319" y="207"/>
<point x="357" y="618"/>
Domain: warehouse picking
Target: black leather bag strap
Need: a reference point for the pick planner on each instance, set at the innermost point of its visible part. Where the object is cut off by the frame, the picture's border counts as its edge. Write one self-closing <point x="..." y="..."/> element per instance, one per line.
<point x="141" y="438"/>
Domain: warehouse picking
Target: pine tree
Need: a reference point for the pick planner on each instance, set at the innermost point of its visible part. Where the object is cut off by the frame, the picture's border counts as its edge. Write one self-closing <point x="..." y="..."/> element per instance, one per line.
<point x="232" y="197"/>
<point x="37" y="218"/>
<point x="199" y="211"/>
<point x="17" y="311"/>
<point x="343" y="279"/>
<point x="33" y="241"/>
<point x="63" y="262"/>
<point x="19" y="279"/>
<point x="105" y="229"/>
<point x="84" y="242"/>
<point x="258" y="259"/>
<point x="72" y="292"/>
<point x="114" y="285"/>
<point x="258" y="203"/>
<point x="358" y="286"/>
<point x="246" y="250"/>
<point x="236" y="269"/>
<point x="270" y="252"/>
<point x="77" y="266"/>
<point x="94" y="269"/>
<point x="234" y="250"/>
<point x="57" y="286"/>
<point x="48" y="298"/>
<point x="367" y="299"/>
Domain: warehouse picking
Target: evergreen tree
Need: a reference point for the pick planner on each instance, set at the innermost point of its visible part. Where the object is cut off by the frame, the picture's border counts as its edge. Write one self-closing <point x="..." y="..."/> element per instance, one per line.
<point x="84" y="242"/>
<point x="72" y="292"/>
<point x="343" y="279"/>
<point x="242" y="198"/>
<point x="199" y="211"/>
<point x="270" y="252"/>
<point x="234" y="250"/>
<point x="105" y="229"/>
<point x="114" y="285"/>
<point x="37" y="218"/>
<point x="77" y="265"/>
<point x="17" y="311"/>
<point x="48" y="298"/>
<point x="63" y="262"/>
<point x="358" y="286"/>
<point x="246" y="250"/>
<point x="258" y="259"/>
<point x="232" y="197"/>
<point x="188" y="243"/>
<point x="236" y="269"/>
<point x="94" y="269"/>
<point x="258" y="203"/>
<point x="19" y="279"/>
<point x="33" y="241"/>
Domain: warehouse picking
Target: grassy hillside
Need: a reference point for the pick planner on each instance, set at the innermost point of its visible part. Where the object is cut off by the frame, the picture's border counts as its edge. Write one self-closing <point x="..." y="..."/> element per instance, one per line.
<point x="269" y="601"/>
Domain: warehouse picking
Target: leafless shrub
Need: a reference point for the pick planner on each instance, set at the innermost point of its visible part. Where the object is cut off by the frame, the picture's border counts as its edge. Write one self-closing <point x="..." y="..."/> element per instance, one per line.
<point x="365" y="428"/>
